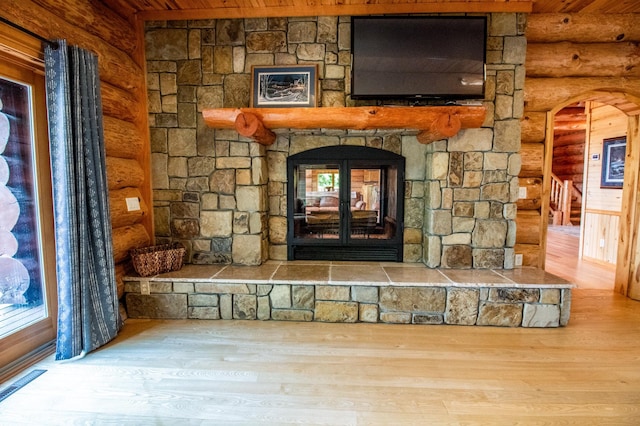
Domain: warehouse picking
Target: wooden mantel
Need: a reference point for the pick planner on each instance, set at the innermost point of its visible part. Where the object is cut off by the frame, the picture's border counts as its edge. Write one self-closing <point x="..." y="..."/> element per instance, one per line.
<point x="433" y="122"/>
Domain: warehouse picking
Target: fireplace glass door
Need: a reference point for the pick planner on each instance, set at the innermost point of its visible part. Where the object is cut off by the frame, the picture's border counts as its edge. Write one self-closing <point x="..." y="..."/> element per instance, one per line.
<point x="343" y="204"/>
<point x="317" y="209"/>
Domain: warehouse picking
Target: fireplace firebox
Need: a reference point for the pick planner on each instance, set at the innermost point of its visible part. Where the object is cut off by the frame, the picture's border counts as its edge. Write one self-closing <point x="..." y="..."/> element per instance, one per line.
<point x="345" y="203"/>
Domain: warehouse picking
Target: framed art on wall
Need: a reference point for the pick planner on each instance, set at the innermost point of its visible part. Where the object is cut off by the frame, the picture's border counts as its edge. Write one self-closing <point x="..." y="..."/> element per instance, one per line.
<point x="284" y="86"/>
<point x="613" y="155"/>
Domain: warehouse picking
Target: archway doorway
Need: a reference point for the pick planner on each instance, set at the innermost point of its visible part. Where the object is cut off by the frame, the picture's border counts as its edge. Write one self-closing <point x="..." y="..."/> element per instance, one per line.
<point x="582" y="233"/>
<point x="619" y="276"/>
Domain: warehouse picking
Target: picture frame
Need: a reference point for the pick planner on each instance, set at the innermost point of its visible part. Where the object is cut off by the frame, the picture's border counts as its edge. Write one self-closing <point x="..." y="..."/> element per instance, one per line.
<point x="613" y="157"/>
<point x="284" y="86"/>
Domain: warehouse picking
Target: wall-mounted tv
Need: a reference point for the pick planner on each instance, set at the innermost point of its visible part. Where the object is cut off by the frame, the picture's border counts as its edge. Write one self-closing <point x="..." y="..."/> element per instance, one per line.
<point x="415" y="57"/>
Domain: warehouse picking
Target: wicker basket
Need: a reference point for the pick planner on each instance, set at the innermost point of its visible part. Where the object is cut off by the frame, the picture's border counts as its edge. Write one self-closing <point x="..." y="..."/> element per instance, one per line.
<point x="157" y="259"/>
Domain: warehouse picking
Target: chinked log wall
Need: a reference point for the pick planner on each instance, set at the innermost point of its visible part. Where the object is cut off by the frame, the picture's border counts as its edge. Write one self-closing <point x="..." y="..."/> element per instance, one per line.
<point x="115" y="40"/>
<point x="567" y="56"/>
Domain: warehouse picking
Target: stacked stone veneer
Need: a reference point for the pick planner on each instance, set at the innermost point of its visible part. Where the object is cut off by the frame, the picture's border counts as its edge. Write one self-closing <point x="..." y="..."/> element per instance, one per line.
<point x="224" y="197"/>
<point x="491" y="306"/>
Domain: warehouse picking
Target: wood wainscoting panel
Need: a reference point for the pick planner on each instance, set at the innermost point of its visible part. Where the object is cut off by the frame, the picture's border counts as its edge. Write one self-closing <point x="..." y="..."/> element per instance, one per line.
<point x="601" y="234"/>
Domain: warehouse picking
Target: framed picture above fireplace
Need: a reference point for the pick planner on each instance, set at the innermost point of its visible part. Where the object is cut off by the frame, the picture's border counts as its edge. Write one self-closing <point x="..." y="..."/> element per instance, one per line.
<point x="284" y="86"/>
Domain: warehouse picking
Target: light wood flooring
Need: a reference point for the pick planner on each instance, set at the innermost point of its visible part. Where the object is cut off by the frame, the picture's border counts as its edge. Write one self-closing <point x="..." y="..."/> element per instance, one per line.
<point x="562" y="260"/>
<point x="278" y="373"/>
<point x="192" y="372"/>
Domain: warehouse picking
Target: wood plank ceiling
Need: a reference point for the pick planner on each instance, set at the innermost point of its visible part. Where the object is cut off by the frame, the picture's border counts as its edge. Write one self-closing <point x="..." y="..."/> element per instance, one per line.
<point x="207" y="9"/>
<point x="210" y="9"/>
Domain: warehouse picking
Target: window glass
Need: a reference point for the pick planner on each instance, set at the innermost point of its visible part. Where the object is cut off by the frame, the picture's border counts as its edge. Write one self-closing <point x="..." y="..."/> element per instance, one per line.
<point x="21" y="282"/>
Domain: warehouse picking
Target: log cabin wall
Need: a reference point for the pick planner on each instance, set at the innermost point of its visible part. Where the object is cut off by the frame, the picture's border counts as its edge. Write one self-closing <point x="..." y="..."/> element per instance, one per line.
<point x="569" y="58"/>
<point x="116" y="42"/>
<point x="224" y="196"/>
<point x="569" y="139"/>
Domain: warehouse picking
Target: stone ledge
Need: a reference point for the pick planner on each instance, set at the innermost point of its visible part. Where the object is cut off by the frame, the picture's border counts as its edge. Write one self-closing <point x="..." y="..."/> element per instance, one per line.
<point x="507" y="299"/>
<point x="344" y="273"/>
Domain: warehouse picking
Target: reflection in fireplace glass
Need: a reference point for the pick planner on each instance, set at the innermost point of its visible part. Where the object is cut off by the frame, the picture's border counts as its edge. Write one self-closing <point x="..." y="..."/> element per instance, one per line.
<point x="317" y="210"/>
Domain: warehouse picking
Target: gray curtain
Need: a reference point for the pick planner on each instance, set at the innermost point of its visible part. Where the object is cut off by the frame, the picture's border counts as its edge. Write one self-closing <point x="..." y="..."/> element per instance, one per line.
<point x="88" y="315"/>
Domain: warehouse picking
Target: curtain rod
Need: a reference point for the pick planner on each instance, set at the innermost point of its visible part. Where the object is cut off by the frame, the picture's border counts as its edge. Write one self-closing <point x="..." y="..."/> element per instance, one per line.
<point x="52" y="44"/>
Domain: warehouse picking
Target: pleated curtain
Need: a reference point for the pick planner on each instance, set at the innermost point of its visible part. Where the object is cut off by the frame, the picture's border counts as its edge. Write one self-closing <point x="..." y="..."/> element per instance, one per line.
<point x="88" y="315"/>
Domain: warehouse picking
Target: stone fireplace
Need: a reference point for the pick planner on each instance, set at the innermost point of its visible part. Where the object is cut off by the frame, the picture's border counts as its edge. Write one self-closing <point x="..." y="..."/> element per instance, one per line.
<point x="225" y="197"/>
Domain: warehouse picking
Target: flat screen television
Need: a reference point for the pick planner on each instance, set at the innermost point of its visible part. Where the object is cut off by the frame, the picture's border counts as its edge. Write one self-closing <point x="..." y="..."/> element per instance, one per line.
<point x="416" y="57"/>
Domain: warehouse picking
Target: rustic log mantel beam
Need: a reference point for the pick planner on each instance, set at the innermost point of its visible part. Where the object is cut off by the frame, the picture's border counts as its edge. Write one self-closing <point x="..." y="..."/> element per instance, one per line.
<point x="433" y="122"/>
<point x="249" y="125"/>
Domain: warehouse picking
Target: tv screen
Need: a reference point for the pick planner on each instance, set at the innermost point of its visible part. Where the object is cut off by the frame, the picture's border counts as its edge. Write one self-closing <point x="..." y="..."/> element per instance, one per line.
<point x="418" y="57"/>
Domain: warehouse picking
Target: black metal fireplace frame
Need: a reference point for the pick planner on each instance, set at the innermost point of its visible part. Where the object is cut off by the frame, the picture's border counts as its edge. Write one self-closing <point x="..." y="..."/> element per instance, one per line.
<point x="345" y="247"/>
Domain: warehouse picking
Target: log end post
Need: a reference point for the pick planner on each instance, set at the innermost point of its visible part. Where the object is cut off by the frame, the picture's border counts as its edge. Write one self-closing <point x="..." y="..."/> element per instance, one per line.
<point x="250" y="125"/>
<point x="444" y="126"/>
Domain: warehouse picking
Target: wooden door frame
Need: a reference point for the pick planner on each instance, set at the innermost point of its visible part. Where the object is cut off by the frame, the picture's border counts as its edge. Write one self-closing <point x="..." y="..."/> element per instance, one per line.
<point x="627" y="281"/>
<point x="627" y="276"/>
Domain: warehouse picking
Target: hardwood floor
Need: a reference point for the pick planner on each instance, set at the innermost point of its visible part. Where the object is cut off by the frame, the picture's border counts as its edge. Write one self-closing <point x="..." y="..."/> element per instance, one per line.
<point x="562" y="260"/>
<point x="192" y="372"/>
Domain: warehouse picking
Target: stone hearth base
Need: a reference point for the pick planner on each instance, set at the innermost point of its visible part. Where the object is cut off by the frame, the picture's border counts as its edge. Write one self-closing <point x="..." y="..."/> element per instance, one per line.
<point x="353" y="292"/>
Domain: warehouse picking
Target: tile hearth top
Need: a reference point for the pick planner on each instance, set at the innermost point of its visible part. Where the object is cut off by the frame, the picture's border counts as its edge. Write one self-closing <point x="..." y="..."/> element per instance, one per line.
<point x="361" y="273"/>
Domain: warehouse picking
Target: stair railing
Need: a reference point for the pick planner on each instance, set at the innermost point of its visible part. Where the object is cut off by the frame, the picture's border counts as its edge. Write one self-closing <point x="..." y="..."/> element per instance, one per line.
<point x="560" y="202"/>
<point x="576" y="194"/>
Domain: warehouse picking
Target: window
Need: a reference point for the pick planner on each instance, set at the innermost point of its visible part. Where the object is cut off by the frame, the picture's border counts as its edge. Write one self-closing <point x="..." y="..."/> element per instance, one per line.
<point x="21" y="285"/>
<point x="328" y="181"/>
<point x="27" y="252"/>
